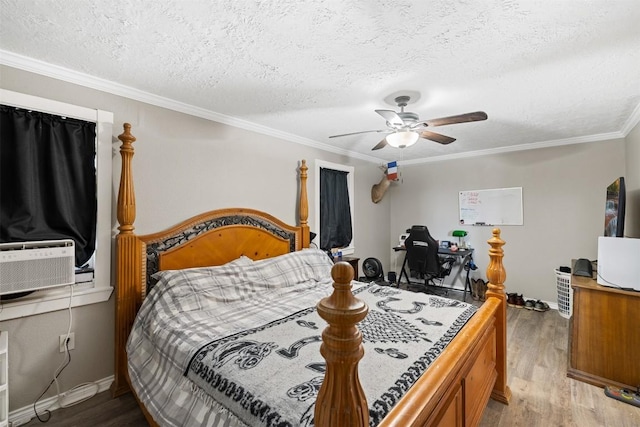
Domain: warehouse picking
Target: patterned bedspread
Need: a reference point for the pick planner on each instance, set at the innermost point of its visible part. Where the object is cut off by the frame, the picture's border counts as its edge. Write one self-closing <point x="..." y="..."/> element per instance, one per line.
<point x="210" y="346"/>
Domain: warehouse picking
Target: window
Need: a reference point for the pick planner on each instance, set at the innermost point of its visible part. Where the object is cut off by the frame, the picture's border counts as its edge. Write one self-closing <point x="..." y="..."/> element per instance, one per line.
<point x="321" y="218"/>
<point x="100" y="289"/>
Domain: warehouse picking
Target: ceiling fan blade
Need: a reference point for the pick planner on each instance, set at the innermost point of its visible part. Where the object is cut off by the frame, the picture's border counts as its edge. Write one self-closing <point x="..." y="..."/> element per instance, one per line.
<point x="391" y="117"/>
<point x="432" y="136"/>
<point x="380" y="144"/>
<point x="460" y="118"/>
<point x="356" y="133"/>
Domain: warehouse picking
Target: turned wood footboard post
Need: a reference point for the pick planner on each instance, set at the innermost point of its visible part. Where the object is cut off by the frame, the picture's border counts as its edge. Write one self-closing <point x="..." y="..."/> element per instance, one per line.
<point x="341" y="400"/>
<point x="128" y="275"/>
<point x="304" y="205"/>
<point x="497" y="275"/>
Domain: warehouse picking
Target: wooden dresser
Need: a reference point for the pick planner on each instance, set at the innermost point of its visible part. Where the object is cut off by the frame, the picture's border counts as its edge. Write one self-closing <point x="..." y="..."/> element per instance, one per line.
<point x="604" y="335"/>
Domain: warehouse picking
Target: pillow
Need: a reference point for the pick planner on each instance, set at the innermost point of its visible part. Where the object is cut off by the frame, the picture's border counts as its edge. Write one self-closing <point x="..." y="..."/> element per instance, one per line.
<point x="168" y="278"/>
<point x="242" y="261"/>
<point x="241" y="279"/>
<point x="301" y="267"/>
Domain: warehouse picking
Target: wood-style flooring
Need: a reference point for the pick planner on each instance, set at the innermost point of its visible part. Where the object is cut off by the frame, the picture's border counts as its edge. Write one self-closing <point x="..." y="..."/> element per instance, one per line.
<point x="542" y="393"/>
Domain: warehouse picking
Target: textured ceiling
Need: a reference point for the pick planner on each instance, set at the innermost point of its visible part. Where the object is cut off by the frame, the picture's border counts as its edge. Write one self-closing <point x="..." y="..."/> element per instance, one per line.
<point x="545" y="71"/>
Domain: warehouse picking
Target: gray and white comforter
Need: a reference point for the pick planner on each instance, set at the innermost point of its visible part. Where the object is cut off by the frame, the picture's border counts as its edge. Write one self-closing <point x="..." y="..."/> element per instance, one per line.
<point x="239" y="344"/>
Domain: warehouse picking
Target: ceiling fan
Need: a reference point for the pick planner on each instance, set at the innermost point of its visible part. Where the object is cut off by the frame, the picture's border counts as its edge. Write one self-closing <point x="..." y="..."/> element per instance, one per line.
<point x="405" y="128"/>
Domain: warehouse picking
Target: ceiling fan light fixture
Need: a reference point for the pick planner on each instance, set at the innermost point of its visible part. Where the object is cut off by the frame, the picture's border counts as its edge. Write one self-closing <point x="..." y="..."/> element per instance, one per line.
<point x="402" y="139"/>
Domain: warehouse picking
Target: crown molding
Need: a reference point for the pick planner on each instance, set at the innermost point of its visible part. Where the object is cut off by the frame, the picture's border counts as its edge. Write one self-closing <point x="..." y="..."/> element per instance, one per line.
<point x="54" y="71"/>
<point x="39" y="67"/>
<point x="520" y="147"/>
<point x="632" y="121"/>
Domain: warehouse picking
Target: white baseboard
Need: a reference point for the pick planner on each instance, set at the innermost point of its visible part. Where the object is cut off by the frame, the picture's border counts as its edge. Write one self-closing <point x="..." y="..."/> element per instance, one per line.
<point x="77" y="394"/>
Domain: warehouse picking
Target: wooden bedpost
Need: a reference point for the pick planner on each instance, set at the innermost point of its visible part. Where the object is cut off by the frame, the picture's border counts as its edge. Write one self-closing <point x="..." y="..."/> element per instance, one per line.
<point x="341" y="400"/>
<point x="304" y="205"/>
<point x="128" y="276"/>
<point x="497" y="275"/>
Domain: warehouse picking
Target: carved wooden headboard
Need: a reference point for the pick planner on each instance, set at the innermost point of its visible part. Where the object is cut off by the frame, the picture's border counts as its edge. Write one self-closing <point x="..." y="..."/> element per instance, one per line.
<point x="212" y="238"/>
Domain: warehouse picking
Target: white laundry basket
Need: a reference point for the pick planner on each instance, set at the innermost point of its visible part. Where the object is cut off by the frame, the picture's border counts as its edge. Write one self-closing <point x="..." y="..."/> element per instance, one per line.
<point x="565" y="294"/>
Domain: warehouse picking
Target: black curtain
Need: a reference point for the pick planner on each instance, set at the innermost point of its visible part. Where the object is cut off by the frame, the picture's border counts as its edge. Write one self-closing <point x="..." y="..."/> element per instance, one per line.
<point x="47" y="179"/>
<point x="335" y="211"/>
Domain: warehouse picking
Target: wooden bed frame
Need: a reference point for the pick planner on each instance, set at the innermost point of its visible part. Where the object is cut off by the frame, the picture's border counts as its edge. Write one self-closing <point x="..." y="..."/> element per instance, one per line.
<point x="452" y="392"/>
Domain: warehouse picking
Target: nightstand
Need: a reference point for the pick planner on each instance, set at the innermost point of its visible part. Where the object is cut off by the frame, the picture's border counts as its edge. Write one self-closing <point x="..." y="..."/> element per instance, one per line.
<point x="354" y="263"/>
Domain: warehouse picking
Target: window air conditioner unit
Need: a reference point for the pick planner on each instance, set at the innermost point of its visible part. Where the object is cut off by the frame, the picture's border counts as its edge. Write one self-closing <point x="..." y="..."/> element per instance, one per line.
<point x="31" y="266"/>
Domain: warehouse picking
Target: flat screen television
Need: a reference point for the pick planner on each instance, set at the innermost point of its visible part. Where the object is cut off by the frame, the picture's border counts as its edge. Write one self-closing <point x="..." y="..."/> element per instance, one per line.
<point x="614" y="209"/>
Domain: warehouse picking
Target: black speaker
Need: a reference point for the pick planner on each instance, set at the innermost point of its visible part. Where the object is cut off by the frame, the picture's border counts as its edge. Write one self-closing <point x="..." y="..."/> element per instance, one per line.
<point x="583" y="268"/>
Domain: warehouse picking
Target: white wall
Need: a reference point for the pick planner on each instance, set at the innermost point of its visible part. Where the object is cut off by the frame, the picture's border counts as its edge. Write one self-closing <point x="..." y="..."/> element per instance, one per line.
<point x="183" y="166"/>
<point x="563" y="203"/>
<point x="632" y="182"/>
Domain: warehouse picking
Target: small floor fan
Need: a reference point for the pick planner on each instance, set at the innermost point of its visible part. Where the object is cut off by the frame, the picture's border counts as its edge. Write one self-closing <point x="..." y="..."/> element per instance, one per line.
<point x="372" y="269"/>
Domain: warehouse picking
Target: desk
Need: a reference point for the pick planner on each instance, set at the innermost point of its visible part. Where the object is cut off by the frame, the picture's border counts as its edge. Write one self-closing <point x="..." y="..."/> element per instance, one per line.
<point x="464" y="255"/>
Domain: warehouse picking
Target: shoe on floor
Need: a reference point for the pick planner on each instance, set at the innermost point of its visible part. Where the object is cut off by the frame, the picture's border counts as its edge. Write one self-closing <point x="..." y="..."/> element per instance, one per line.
<point x="515" y="300"/>
<point x="541" y="306"/>
<point x="519" y="301"/>
<point x="529" y="304"/>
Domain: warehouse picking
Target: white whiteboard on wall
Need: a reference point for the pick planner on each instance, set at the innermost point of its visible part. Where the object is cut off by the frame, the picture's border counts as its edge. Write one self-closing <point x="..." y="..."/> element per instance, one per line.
<point x="499" y="206"/>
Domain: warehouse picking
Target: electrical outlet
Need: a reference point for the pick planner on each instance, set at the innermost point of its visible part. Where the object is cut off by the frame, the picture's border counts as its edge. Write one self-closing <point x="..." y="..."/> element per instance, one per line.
<point x="72" y="342"/>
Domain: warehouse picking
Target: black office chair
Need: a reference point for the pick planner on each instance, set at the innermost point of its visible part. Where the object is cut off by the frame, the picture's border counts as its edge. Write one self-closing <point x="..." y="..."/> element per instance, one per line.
<point x="423" y="259"/>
